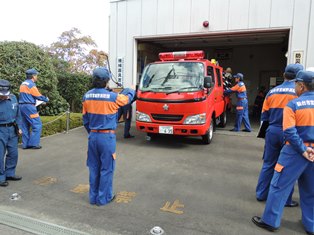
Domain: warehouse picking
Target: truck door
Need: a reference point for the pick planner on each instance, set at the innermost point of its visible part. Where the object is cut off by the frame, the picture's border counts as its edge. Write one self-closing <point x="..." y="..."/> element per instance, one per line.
<point x="210" y="72"/>
<point x="219" y="93"/>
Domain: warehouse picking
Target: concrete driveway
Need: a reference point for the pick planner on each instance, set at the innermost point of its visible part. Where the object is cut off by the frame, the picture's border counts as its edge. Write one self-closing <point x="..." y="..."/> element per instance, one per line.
<point x="175" y="183"/>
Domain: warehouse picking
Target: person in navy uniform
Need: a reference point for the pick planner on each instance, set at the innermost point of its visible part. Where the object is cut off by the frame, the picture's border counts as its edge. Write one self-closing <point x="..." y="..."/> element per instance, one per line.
<point x="126" y="112"/>
<point x="242" y="104"/>
<point x="30" y="117"/>
<point x="276" y="99"/>
<point x="296" y="159"/>
<point x="10" y="121"/>
<point x="100" y="110"/>
<point x="258" y="104"/>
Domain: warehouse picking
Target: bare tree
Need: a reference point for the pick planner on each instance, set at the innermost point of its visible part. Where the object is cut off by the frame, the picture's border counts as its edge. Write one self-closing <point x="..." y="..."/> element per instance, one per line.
<point x="72" y="48"/>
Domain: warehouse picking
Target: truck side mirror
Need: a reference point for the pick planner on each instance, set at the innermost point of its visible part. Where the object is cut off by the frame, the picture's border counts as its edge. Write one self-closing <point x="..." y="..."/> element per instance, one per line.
<point x="208" y="81"/>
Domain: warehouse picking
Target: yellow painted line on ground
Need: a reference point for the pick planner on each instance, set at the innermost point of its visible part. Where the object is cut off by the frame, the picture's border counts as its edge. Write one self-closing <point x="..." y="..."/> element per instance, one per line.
<point x="124" y="197"/>
<point x="173" y="208"/>
<point x="81" y="188"/>
<point x="46" y="180"/>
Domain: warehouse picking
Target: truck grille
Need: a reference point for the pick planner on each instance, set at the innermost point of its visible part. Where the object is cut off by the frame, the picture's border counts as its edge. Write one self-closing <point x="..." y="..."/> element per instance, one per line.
<point x="167" y="117"/>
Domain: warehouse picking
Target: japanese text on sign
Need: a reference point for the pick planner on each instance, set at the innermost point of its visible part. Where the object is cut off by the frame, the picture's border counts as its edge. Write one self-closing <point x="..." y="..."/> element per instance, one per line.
<point x="298" y="57"/>
<point x="120" y="70"/>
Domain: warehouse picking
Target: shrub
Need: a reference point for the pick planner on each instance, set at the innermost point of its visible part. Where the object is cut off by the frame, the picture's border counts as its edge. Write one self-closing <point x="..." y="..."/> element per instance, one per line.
<point x="52" y="126"/>
<point x="72" y="87"/>
<point x="17" y="57"/>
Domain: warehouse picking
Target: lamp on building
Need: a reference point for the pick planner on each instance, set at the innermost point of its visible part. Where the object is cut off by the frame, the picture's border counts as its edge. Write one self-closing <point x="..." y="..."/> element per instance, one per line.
<point x="205" y="24"/>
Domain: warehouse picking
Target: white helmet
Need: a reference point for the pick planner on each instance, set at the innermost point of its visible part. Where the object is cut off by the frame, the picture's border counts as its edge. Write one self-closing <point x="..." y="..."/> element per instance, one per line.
<point x="310" y="69"/>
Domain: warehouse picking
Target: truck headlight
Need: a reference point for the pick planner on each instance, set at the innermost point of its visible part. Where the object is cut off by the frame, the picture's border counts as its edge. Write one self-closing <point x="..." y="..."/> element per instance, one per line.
<point x="196" y="119"/>
<point x="142" y="117"/>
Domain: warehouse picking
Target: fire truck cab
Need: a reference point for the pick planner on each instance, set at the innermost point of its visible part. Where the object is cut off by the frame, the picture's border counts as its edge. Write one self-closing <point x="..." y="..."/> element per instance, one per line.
<point x="182" y="94"/>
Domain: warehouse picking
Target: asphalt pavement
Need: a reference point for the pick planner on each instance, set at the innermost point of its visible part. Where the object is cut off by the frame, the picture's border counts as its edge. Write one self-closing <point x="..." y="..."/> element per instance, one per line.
<point x="175" y="183"/>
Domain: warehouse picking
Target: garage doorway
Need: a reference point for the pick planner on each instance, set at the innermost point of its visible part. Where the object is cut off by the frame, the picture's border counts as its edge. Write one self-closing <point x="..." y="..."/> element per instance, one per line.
<point x="259" y="55"/>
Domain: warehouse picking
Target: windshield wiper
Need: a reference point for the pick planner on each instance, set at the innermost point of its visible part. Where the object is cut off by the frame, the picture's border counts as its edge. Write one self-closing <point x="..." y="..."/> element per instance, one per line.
<point x="149" y="81"/>
<point x="149" y="90"/>
<point x="157" y="89"/>
<point x="164" y="88"/>
<point x="183" y="88"/>
<point x="168" y="75"/>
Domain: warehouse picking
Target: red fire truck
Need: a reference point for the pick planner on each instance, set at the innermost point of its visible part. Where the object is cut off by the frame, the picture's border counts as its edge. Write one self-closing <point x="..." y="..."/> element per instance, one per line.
<point x="182" y="94"/>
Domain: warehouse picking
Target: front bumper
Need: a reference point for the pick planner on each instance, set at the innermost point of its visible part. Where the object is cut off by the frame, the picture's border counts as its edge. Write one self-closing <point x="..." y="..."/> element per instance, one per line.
<point x="186" y="130"/>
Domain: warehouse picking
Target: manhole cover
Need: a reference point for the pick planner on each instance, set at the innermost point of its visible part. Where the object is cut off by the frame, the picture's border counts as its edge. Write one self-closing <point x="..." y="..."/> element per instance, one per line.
<point x="156" y="230"/>
<point x="15" y="197"/>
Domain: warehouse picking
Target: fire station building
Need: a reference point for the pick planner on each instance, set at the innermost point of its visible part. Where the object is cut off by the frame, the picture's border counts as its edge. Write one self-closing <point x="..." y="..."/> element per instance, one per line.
<point x="256" y="38"/>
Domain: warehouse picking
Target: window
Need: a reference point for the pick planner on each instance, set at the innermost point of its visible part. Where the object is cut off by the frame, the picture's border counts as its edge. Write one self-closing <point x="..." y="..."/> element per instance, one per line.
<point x="173" y="76"/>
<point x="218" y="76"/>
<point x="210" y="73"/>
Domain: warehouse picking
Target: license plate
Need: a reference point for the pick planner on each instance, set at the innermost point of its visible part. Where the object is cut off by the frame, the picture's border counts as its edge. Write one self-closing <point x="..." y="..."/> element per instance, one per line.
<point x="166" y="130"/>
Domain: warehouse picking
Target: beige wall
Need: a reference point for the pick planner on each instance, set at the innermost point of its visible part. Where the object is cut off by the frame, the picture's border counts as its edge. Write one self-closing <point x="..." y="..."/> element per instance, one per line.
<point x="132" y="19"/>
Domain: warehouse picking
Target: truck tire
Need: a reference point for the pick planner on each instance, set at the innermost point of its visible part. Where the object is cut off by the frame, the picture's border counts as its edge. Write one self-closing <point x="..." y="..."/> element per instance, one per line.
<point x="223" y="119"/>
<point x="207" y="138"/>
<point x="150" y="136"/>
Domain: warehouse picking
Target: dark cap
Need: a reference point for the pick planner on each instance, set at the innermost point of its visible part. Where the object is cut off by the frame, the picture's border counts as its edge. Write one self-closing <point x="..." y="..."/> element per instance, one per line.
<point x="305" y="76"/>
<point x="4" y="87"/>
<point x="238" y="75"/>
<point x="293" y="69"/>
<point x="31" y="72"/>
<point x="101" y="73"/>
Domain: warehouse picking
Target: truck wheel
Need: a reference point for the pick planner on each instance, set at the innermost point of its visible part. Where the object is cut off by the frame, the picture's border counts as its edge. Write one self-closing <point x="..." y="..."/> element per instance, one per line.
<point x="150" y="136"/>
<point x="223" y="119"/>
<point x="207" y="138"/>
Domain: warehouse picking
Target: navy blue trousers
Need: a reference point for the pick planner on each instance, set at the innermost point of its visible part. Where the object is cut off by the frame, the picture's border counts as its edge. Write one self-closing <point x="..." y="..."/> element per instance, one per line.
<point x="273" y="145"/>
<point x="295" y="167"/>
<point x="126" y="111"/>
<point x="30" y="119"/>
<point x="101" y="163"/>
<point x="8" y="152"/>
<point x="242" y="115"/>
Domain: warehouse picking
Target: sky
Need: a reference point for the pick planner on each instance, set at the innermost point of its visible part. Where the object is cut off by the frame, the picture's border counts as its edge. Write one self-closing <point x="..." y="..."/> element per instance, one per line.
<point x="42" y="21"/>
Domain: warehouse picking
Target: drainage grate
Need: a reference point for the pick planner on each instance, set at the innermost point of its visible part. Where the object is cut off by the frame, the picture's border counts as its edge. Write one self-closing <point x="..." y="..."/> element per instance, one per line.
<point x="35" y="226"/>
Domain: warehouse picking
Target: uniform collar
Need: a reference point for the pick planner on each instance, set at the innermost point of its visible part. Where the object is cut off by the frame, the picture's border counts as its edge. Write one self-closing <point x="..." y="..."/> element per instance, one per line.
<point x="8" y="98"/>
<point x="288" y="81"/>
<point x="308" y="93"/>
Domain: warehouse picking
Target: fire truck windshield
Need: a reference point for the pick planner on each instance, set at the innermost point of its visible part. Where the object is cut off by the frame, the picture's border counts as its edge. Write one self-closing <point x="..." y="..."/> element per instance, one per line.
<point x="173" y="76"/>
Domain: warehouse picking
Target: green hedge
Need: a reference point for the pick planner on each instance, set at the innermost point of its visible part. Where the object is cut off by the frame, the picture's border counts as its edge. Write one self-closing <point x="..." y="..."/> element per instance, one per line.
<point x="51" y="127"/>
<point x="17" y="57"/>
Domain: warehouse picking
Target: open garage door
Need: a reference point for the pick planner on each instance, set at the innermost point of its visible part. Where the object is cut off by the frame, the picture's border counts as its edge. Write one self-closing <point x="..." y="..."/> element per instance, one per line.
<point x="259" y="55"/>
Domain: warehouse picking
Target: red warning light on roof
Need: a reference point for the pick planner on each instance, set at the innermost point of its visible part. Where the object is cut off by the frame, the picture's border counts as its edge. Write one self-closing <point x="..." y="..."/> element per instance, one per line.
<point x="177" y="55"/>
